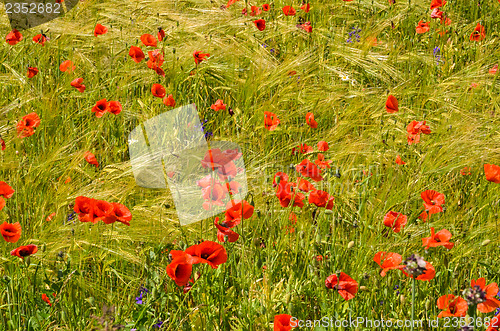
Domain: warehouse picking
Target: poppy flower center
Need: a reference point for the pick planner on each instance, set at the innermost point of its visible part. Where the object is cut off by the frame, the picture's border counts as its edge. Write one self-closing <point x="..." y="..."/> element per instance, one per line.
<point x="205" y="256"/>
<point x="24" y="252"/>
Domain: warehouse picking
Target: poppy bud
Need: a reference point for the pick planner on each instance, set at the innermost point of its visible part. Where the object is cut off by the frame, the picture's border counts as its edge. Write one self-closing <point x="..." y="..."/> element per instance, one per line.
<point x="402" y="299"/>
<point x="363" y="288"/>
<point x="486" y="242"/>
<point x="350" y="244"/>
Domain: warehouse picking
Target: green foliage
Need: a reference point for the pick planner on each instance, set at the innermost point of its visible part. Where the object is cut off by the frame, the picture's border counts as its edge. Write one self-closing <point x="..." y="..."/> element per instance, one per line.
<point x="96" y="270"/>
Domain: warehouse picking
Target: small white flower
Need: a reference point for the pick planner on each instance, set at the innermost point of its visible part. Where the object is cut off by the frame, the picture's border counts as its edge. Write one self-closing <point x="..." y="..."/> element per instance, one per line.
<point x="344" y="77"/>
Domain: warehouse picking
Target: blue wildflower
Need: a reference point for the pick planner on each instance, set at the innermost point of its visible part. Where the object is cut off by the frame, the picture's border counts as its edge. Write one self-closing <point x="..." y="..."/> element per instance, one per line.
<point x="354" y="34"/>
<point x="158" y="325"/>
<point x="437" y="57"/>
<point x="138" y="300"/>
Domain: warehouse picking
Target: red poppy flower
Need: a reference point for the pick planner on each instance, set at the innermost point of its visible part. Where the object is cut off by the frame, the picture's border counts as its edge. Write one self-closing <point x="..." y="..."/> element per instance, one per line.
<point x="453" y="306"/>
<point x="169" y="101"/>
<point x="399" y="161"/>
<point x="122" y="213"/>
<point x="436" y="13"/>
<point x="46" y="299"/>
<point x="345" y="285"/>
<point x="388" y="261"/>
<point x="13" y="37"/>
<point x="235" y="211"/>
<point x="100" y="108"/>
<point x="23" y="251"/>
<point x="323" y="146"/>
<point x="271" y="121"/>
<point x="292" y="218"/>
<point x="103" y="211"/>
<point x="433" y="201"/>
<point x="32" y="71"/>
<point x="479" y="33"/>
<point x="302" y="148"/>
<point x="306" y="7"/>
<point x="441" y="238"/>
<point x="90" y="158"/>
<point x="156" y="59"/>
<point x="494" y="324"/>
<point x="289" y="11"/>
<point x="40" y="39"/>
<point x="11" y="232"/>
<point x="429" y="273"/>
<point x="77" y="83"/>
<point x="158" y="90"/>
<point x="5" y="190"/>
<point x="493" y="70"/>
<point x="161" y="34"/>
<point x="422" y="27"/>
<point x="310" y="120"/>
<point x="282" y="322"/>
<point x="414" y="130"/>
<point x="114" y="107"/>
<point x="254" y="11"/>
<point x="225" y="234"/>
<point x="230" y="2"/>
<point x="465" y="171"/>
<point x="437" y="3"/>
<point x="286" y="191"/>
<point x="208" y="252"/>
<point x="283" y="177"/>
<point x="199" y="56"/>
<point x="2" y="142"/>
<point x="180" y="269"/>
<point x="218" y="105"/>
<point x="395" y="221"/>
<point x="215" y="158"/>
<point x="492" y="173"/>
<point x="305" y="185"/>
<point x="306" y="26"/>
<point x="25" y="127"/>
<point x="308" y="169"/>
<point x="100" y="30"/>
<point x="67" y="66"/>
<point x="50" y="217"/>
<point x="260" y="24"/>
<point x="265" y="7"/>
<point x="136" y="54"/>
<point x="321" y="199"/>
<point x="213" y="195"/>
<point x="446" y="21"/>
<point x="391" y="105"/>
<point x="321" y="161"/>
<point x="84" y="207"/>
<point x="491" y="291"/>
<point x="148" y="40"/>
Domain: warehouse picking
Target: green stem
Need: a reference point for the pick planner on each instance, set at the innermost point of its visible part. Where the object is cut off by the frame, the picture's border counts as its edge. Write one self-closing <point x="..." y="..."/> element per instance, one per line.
<point x="412" y="302"/>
